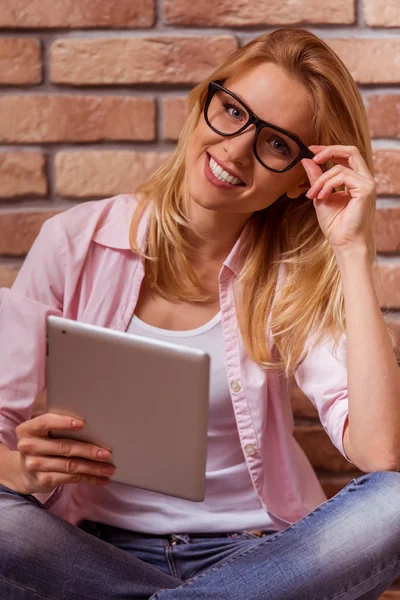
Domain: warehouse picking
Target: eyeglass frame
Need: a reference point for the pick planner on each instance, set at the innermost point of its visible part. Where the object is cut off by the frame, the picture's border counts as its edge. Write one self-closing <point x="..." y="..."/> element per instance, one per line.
<point x="214" y="86"/>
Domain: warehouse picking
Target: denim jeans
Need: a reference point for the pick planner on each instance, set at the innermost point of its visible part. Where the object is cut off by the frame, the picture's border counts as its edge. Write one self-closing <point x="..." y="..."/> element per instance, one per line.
<point x="347" y="548"/>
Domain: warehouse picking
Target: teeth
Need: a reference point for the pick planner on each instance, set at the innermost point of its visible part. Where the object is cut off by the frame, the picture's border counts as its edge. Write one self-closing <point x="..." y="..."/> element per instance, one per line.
<point x="221" y="174"/>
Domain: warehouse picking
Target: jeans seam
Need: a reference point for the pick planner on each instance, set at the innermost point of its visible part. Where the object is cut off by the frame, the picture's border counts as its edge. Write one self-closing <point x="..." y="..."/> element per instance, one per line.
<point x="364" y="580"/>
<point x="23" y="587"/>
<point x="263" y="540"/>
<point x="171" y="562"/>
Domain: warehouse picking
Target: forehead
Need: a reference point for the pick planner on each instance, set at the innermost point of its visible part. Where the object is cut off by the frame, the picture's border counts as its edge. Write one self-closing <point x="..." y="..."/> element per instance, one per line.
<point x="274" y="96"/>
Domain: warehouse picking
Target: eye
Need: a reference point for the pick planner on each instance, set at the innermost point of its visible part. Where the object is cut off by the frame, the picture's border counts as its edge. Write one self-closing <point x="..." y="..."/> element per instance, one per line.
<point x="279" y="146"/>
<point x="234" y="111"/>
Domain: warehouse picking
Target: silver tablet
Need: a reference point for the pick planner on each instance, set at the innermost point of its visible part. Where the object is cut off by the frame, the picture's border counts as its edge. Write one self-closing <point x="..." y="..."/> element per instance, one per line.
<point x="145" y="399"/>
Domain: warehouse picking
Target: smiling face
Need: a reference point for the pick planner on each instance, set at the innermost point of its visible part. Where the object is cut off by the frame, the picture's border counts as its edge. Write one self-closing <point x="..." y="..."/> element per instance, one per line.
<point x="273" y="96"/>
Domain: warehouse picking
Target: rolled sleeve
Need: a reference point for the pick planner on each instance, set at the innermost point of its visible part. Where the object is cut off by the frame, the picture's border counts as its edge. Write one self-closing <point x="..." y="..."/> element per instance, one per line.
<point x="37" y="292"/>
<point x="322" y="377"/>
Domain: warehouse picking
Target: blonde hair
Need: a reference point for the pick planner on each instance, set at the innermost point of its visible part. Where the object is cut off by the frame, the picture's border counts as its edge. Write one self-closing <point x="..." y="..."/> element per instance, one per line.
<point x="311" y="303"/>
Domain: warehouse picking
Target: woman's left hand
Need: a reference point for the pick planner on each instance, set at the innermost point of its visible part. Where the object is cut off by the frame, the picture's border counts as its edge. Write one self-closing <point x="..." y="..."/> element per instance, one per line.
<point x="347" y="218"/>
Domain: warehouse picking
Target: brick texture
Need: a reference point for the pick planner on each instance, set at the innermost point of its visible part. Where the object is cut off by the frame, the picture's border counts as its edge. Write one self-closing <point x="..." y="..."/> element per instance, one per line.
<point x="22" y="173"/>
<point x="382" y="13"/>
<point x="138" y="60"/>
<point x="388" y="285"/>
<point x="370" y="60"/>
<point x="18" y="229"/>
<point x="267" y="12"/>
<point x="76" y="13"/>
<point x="320" y="450"/>
<point x="20" y="61"/>
<point x="383" y="113"/>
<point x="387" y="165"/>
<point x="175" y="113"/>
<point x="35" y="119"/>
<point x="388" y="229"/>
<point x="104" y="173"/>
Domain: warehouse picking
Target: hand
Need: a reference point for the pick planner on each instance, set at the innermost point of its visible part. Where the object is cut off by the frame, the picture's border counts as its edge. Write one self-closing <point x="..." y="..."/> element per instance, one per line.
<point x="345" y="217"/>
<point x="46" y="462"/>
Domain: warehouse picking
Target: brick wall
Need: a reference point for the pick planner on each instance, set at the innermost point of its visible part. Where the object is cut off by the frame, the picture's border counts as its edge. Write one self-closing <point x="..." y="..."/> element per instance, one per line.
<point x="92" y="100"/>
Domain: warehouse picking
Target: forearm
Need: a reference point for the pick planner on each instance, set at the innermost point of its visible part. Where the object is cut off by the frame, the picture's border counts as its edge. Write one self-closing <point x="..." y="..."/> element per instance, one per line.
<point x="373" y="374"/>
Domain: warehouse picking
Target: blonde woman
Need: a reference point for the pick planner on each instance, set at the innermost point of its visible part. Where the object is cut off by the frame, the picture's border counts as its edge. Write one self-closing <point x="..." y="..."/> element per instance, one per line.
<point x="255" y="243"/>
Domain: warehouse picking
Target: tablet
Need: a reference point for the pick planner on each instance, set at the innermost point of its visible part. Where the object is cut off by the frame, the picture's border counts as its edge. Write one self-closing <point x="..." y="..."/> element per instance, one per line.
<point x="145" y="399"/>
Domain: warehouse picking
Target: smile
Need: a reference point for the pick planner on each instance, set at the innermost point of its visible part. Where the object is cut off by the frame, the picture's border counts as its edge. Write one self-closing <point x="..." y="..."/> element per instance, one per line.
<point x="222" y="175"/>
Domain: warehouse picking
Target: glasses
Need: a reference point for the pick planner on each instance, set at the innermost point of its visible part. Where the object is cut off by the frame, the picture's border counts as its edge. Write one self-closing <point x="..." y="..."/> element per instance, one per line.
<point x="276" y="149"/>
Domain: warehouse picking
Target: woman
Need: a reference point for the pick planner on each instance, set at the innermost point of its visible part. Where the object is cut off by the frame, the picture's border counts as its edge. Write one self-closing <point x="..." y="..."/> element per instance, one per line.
<point x="231" y="250"/>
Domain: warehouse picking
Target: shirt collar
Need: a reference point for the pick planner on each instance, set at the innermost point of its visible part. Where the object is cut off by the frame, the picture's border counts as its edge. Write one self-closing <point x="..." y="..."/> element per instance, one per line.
<point x="114" y="233"/>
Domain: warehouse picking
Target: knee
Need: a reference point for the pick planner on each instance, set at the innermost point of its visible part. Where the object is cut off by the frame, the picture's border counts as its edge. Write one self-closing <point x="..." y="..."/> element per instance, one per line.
<point x="17" y="516"/>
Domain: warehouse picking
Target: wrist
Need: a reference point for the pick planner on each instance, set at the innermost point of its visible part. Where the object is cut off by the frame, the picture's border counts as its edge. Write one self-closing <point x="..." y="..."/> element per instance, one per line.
<point x="15" y="479"/>
<point x="349" y="255"/>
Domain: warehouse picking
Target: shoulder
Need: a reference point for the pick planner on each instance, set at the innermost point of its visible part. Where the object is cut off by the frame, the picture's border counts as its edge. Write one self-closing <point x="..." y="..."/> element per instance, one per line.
<point x="106" y="221"/>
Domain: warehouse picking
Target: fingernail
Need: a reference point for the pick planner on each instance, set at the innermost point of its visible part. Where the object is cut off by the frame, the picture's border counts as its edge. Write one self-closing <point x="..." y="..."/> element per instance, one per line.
<point x="103" y="454"/>
<point x="108" y="470"/>
<point x="77" y="424"/>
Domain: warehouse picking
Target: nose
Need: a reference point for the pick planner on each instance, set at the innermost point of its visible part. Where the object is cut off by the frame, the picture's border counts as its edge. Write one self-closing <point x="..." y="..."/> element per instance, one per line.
<point x="239" y="148"/>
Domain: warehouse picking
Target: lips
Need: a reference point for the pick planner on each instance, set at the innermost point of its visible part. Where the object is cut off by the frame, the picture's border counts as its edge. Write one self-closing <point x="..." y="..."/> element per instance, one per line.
<point x="227" y="169"/>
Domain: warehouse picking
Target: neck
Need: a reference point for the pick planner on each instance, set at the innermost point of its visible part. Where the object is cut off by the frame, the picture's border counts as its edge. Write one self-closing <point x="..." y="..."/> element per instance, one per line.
<point x="213" y="234"/>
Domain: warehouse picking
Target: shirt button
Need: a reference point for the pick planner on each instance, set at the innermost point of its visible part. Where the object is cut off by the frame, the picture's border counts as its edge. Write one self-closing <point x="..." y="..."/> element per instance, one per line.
<point x="235" y="386"/>
<point x="250" y="450"/>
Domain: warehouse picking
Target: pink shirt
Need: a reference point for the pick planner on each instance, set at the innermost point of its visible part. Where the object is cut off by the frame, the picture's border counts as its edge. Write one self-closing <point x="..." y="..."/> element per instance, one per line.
<point x="81" y="267"/>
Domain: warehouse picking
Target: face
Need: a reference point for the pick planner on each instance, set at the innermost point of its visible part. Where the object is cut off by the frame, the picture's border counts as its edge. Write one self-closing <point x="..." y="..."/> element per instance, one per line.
<point x="274" y="97"/>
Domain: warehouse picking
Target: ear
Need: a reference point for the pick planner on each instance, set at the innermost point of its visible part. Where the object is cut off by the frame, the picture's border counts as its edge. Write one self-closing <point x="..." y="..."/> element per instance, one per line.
<point x="298" y="189"/>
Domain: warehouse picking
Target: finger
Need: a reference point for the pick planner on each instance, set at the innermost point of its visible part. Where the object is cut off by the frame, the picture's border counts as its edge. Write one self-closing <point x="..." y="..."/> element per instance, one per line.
<point x="323" y="178"/>
<point x="42" y="424"/>
<point x="72" y="466"/>
<point x="62" y="447"/>
<point x="313" y="170"/>
<point x="350" y="153"/>
<point x="49" y="481"/>
<point x="350" y="181"/>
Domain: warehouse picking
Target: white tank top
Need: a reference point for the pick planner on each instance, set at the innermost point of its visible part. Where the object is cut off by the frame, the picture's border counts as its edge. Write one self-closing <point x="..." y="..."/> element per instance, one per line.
<point x="231" y="503"/>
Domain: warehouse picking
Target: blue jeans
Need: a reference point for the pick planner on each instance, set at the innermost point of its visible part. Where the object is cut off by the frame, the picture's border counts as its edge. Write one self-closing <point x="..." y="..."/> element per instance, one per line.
<point x="347" y="548"/>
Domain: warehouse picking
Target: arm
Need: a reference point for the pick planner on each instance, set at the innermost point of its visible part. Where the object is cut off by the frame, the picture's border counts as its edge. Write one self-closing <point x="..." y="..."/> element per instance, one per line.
<point x="372" y="438"/>
<point x="347" y="219"/>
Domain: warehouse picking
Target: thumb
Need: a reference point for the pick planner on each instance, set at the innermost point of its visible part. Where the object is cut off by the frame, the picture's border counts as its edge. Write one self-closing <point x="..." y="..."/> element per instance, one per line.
<point x="312" y="169"/>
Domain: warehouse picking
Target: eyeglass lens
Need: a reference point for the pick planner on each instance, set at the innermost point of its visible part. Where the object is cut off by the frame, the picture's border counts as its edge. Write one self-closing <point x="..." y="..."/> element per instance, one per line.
<point x="227" y="116"/>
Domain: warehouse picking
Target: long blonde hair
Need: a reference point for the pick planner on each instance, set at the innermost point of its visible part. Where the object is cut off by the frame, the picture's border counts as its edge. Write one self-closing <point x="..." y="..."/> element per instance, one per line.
<point x="310" y="302"/>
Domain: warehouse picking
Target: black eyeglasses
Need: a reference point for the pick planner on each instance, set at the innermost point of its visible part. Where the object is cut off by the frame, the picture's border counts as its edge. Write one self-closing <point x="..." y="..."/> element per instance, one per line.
<point x="276" y="149"/>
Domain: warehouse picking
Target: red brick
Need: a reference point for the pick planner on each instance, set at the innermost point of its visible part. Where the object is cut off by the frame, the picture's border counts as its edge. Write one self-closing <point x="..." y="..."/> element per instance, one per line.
<point x="20" y="60"/>
<point x="370" y="60"/>
<point x="320" y="450"/>
<point x="18" y="230"/>
<point x="22" y="173"/>
<point x="104" y="172"/>
<point x="388" y="229"/>
<point x="384" y="115"/>
<point x="387" y="283"/>
<point x="172" y="59"/>
<point x="175" y="112"/>
<point x="387" y="167"/>
<point x="7" y="275"/>
<point x="382" y="13"/>
<point x="76" y="13"/>
<point x="36" y="119"/>
<point x="267" y="12"/>
<point x="334" y="483"/>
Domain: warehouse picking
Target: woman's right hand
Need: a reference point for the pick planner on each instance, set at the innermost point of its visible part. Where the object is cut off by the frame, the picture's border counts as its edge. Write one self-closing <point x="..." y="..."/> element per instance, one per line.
<point x="46" y="462"/>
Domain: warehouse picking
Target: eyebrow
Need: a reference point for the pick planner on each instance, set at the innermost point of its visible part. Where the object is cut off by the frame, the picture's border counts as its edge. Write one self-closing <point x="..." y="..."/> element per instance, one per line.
<point x="296" y="135"/>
